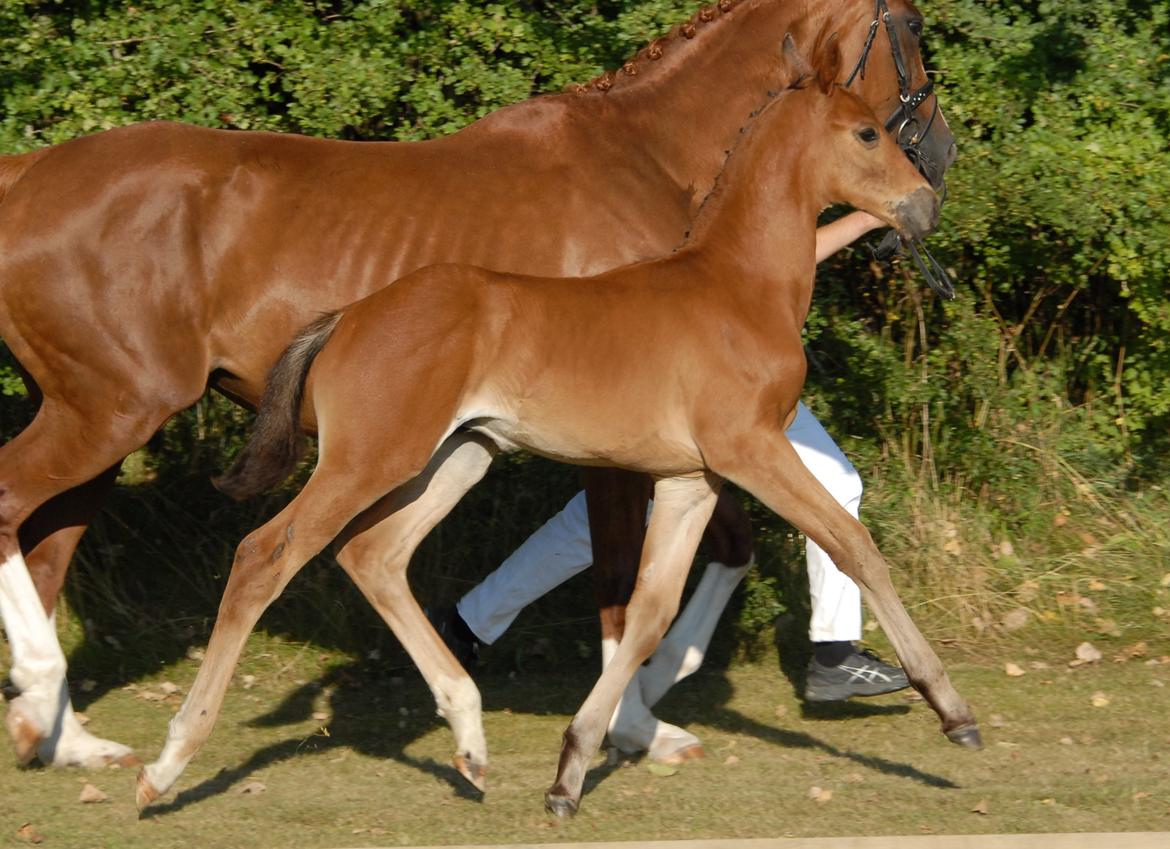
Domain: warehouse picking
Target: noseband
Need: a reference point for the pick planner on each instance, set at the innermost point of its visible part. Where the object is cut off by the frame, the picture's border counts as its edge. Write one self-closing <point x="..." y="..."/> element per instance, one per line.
<point x="910" y="135"/>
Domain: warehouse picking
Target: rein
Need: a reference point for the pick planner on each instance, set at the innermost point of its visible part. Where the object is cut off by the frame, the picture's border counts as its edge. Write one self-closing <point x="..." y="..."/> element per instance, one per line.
<point x="910" y="137"/>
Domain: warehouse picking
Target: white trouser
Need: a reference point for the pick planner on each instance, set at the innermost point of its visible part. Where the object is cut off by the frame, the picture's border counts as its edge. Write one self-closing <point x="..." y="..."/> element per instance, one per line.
<point x="561" y="548"/>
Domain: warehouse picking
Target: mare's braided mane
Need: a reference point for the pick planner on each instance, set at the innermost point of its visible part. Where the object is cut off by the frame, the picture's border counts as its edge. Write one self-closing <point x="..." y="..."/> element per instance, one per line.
<point x="656" y="48"/>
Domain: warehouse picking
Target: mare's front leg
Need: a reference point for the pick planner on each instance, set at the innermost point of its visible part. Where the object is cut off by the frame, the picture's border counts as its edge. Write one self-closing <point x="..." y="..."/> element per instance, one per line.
<point x="376" y="550"/>
<point x="765" y="463"/>
<point x="682" y="507"/>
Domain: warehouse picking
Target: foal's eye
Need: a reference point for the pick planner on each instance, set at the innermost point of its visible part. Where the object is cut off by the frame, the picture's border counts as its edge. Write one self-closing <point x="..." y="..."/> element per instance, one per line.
<point x="915" y="27"/>
<point x="868" y="136"/>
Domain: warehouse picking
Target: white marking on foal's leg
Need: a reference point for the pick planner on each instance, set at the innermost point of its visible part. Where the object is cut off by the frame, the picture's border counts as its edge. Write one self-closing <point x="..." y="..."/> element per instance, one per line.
<point x="458" y="702"/>
<point x="634" y="729"/>
<point x="682" y="650"/>
<point x="41" y="720"/>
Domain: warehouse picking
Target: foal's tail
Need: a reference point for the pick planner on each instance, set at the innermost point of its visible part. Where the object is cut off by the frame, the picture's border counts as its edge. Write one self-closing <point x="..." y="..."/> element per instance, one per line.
<point x="276" y="442"/>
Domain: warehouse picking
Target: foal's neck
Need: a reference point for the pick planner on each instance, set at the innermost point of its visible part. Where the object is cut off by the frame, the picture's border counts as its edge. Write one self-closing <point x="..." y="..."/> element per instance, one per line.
<point x="758" y="225"/>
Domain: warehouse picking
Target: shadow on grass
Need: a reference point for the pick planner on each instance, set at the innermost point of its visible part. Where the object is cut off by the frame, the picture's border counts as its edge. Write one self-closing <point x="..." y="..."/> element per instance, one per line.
<point x="359" y="691"/>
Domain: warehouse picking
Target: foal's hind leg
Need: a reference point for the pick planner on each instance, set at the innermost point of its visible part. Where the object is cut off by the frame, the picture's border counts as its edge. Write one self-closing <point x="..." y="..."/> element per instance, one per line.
<point x="682" y="507"/>
<point x="375" y="552"/>
<point x="65" y="446"/>
<point x="265" y="562"/>
<point x="767" y="465"/>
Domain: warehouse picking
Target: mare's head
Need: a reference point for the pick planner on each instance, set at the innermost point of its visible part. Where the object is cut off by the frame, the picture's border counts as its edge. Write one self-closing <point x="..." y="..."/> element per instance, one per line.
<point x="849" y="159"/>
<point x="882" y="63"/>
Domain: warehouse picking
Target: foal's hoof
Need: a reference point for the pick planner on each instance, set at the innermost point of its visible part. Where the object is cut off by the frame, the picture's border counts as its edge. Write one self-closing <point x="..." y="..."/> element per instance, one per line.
<point x="146" y="794"/>
<point x="475" y="773"/>
<point x="966" y="736"/>
<point x="26" y="736"/>
<point x="559" y="804"/>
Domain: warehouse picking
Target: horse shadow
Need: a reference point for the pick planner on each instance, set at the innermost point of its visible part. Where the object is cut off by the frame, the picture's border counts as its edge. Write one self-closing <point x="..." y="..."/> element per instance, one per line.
<point x="363" y="689"/>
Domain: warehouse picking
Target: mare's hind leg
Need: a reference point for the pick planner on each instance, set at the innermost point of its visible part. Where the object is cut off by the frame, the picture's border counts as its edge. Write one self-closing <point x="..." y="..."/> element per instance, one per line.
<point x="49" y="539"/>
<point x="768" y="466"/>
<point x="682" y="507"/>
<point x="375" y="552"/>
<point x="64" y="446"/>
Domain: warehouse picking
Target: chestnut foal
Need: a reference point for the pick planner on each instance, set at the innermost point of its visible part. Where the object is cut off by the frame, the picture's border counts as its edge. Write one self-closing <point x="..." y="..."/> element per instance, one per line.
<point x="687" y="368"/>
<point x="142" y="265"/>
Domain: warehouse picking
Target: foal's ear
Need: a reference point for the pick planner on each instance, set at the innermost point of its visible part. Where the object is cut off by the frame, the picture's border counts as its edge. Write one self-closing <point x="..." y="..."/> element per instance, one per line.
<point x="828" y="61"/>
<point x="801" y="69"/>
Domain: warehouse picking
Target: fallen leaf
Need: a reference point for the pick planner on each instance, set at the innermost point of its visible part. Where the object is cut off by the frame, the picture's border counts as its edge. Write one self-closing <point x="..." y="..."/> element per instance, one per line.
<point x="1088" y="653"/>
<point x="781" y="711"/>
<point x="148" y="696"/>
<point x="1141" y="794"/>
<point x="91" y="795"/>
<point x="168" y="688"/>
<point x="1099" y="699"/>
<point x="1016" y="619"/>
<point x="1066" y="741"/>
<point x="1013" y="670"/>
<point x="732" y="760"/>
<point x="252" y="787"/>
<point x="29" y="834"/>
<point x="982" y="808"/>
<point x="819" y="795"/>
<point x="855" y="778"/>
<point x="1108" y="627"/>
<point x="662" y="770"/>
<point x="1165" y="580"/>
<point x="996" y="721"/>
<point x="249" y="681"/>
<point x="1096" y="585"/>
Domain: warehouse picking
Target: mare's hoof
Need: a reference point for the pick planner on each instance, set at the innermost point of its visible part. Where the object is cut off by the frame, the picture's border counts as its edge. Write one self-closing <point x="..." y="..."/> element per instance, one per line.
<point x="26" y="737"/>
<point x="475" y="773"/>
<point x="146" y="794"/>
<point x="692" y="752"/>
<point x="966" y="736"/>
<point x="560" y="805"/>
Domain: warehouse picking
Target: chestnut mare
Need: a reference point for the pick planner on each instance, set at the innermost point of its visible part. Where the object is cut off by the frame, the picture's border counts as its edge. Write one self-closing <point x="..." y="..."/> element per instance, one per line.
<point x="686" y="368"/>
<point x="142" y="265"/>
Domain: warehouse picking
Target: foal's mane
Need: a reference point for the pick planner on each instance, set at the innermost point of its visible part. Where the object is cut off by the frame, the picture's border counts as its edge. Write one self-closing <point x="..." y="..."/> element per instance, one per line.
<point x="655" y="50"/>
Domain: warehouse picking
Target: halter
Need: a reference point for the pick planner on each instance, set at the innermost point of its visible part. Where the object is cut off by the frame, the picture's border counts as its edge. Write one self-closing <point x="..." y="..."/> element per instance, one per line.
<point x="909" y="137"/>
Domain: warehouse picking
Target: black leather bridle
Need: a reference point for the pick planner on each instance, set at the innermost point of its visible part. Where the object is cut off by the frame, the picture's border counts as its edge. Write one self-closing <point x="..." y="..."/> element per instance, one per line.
<point x="905" y="126"/>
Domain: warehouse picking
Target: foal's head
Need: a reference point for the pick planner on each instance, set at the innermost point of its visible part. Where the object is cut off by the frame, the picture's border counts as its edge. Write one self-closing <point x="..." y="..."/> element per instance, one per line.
<point x="852" y="159"/>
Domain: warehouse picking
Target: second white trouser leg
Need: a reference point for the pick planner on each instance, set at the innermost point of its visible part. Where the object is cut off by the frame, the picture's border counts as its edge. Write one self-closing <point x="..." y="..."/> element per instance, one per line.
<point x="836" y="600"/>
<point x="557" y="551"/>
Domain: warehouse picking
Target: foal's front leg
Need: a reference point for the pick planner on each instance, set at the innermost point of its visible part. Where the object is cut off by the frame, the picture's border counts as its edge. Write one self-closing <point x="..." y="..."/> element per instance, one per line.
<point x="771" y="470"/>
<point x="682" y="507"/>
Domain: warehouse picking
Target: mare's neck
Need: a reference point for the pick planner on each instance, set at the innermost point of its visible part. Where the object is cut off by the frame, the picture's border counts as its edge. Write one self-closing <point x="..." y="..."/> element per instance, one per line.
<point x="686" y="108"/>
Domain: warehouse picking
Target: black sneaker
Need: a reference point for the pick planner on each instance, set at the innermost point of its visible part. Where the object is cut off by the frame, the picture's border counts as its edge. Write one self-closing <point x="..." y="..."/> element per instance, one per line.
<point x="860" y="674"/>
<point x="459" y="638"/>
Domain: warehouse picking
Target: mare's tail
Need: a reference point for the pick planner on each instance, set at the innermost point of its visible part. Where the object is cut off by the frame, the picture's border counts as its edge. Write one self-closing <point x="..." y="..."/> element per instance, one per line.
<point x="276" y="442"/>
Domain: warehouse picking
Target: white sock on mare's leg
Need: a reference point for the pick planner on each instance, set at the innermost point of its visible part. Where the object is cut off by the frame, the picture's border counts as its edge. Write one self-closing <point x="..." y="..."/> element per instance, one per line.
<point x="683" y="648"/>
<point x="43" y="708"/>
<point x="634" y="729"/>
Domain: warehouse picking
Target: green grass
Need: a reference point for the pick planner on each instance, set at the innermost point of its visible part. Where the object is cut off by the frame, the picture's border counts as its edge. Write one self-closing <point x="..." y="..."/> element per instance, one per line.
<point x="373" y="767"/>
